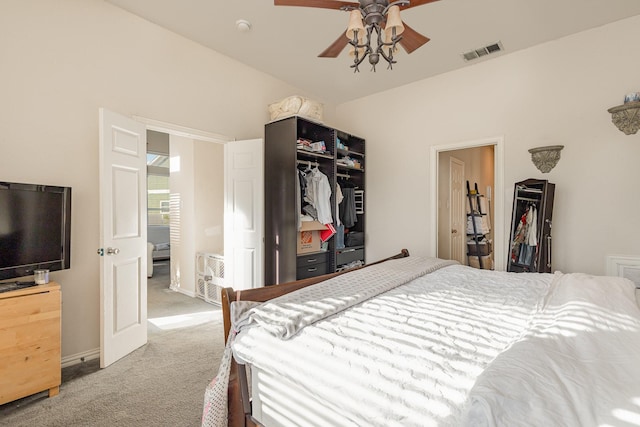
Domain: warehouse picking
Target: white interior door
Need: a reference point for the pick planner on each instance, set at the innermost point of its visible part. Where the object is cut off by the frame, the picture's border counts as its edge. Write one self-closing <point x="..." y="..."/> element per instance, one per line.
<point x="244" y="214"/>
<point x="123" y="236"/>
<point x="457" y="210"/>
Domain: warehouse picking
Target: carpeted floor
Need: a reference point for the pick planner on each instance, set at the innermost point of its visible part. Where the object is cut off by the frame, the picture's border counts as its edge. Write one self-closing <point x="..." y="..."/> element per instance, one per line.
<point x="160" y="384"/>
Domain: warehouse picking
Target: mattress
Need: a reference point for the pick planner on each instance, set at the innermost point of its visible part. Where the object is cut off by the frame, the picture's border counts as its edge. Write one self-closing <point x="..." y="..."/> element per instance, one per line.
<point x="408" y="357"/>
<point x="458" y="346"/>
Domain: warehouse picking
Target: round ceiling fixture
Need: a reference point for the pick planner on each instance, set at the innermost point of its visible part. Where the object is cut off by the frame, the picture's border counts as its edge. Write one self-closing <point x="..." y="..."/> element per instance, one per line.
<point x="243" y="25"/>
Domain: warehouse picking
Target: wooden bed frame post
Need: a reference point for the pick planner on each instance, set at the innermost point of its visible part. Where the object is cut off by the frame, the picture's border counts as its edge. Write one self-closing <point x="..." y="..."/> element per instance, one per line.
<point x="236" y="413"/>
<point x="239" y="404"/>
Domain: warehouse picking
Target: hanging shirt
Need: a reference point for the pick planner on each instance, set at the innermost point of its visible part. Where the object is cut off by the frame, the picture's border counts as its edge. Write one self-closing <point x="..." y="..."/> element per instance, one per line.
<point x="532" y="221"/>
<point x="348" y="207"/>
<point x="520" y="236"/>
<point x="319" y="195"/>
<point x="339" y="198"/>
<point x="298" y="200"/>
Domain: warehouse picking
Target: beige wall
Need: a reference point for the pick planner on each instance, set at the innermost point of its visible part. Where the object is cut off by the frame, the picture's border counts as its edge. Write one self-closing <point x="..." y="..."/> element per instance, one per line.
<point x="182" y="208"/>
<point x="556" y="93"/>
<point x="61" y="61"/>
<point x="209" y="197"/>
<point x="197" y="195"/>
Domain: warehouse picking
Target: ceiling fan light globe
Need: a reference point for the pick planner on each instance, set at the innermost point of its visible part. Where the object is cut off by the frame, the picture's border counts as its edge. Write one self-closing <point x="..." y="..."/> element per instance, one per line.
<point x="355" y="25"/>
<point x="393" y="22"/>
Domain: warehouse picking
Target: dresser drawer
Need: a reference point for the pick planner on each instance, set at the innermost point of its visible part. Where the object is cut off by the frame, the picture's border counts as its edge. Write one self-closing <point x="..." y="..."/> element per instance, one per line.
<point x="313" y="259"/>
<point x="349" y="255"/>
<point x="311" y="271"/>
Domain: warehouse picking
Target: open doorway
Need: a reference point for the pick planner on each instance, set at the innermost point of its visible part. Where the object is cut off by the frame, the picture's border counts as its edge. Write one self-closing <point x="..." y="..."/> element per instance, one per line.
<point x="480" y="163"/>
<point x="215" y="208"/>
<point x="185" y="206"/>
<point x="123" y="155"/>
<point x="457" y="169"/>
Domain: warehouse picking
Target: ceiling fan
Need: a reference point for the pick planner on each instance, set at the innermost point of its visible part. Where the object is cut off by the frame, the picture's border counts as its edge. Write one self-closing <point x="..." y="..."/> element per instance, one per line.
<point x="374" y="16"/>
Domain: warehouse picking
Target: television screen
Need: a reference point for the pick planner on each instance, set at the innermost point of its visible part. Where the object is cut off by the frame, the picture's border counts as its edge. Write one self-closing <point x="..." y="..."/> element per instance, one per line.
<point x="35" y="226"/>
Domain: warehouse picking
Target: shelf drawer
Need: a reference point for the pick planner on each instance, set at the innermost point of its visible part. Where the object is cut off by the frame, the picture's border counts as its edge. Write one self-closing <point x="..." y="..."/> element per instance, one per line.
<point x="312" y="259"/>
<point x="311" y="271"/>
<point x="349" y="255"/>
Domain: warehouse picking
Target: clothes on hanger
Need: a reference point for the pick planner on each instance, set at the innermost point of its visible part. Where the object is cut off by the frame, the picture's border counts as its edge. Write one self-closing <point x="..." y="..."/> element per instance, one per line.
<point x="315" y="194"/>
<point x="525" y="241"/>
<point x="339" y="198"/>
<point x="347" y="209"/>
<point x="299" y="194"/>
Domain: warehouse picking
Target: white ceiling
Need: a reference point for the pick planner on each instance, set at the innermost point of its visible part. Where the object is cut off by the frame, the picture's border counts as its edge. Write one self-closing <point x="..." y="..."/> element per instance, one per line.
<point x="285" y="41"/>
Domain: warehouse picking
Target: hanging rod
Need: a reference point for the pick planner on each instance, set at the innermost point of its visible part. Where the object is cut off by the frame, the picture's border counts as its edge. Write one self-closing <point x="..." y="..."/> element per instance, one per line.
<point x="529" y="190"/>
<point x="527" y="199"/>
<point x="307" y="162"/>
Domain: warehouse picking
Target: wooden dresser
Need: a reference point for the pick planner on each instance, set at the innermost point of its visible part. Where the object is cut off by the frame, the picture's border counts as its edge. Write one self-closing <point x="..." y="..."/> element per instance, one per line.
<point x="30" y="342"/>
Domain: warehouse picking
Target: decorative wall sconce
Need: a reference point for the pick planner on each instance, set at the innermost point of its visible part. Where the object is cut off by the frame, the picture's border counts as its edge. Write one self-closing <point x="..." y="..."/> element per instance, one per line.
<point x="626" y="117"/>
<point x="546" y="158"/>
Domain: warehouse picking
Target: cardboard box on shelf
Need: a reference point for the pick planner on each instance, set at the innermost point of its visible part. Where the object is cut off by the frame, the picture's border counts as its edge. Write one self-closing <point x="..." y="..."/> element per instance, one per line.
<point x="312" y="225"/>
<point x="309" y="237"/>
<point x="308" y="241"/>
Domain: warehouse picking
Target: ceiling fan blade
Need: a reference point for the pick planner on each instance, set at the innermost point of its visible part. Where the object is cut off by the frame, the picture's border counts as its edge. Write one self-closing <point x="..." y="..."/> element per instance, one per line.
<point x="414" y="3"/>
<point x="336" y="47"/>
<point x="323" y="4"/>
<point x="411" y="39"/>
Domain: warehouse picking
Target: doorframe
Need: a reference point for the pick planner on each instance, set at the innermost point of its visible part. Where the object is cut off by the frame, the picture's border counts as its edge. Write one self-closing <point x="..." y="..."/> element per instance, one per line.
<point x="498" y="196"/>
<point x="173" y="129"/>
<point x="177" y="130"/>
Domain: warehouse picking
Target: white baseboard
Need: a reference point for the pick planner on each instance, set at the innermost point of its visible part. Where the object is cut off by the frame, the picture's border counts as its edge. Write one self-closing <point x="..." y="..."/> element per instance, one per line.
<point x="191" y="294"/>
<point x="188" y="293"/>
<point x="85" y="356"/>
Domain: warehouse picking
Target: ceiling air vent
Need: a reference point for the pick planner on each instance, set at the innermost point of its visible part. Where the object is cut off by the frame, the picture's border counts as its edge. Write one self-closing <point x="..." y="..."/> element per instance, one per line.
<point x="483" y="51"/>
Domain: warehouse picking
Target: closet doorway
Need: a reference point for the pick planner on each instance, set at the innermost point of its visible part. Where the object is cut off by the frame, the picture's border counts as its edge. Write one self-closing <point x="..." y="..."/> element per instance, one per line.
<point x="452" y="165"/>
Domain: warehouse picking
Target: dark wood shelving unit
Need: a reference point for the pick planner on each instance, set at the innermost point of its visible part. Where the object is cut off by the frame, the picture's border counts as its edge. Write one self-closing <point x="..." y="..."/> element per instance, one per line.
<point x="282" y="261"/>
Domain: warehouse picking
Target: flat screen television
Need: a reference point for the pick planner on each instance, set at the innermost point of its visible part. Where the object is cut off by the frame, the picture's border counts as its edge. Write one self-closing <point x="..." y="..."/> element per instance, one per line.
<point x="35" y="228"/>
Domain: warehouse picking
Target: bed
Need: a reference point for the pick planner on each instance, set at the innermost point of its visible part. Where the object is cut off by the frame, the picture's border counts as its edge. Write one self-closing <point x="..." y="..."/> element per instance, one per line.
<point x="417" y="341"/>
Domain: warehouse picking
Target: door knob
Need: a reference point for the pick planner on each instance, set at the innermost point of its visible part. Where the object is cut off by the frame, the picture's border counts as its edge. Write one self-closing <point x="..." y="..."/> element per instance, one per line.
<point x="454" y="231"/>
<point x="113" y="251"/>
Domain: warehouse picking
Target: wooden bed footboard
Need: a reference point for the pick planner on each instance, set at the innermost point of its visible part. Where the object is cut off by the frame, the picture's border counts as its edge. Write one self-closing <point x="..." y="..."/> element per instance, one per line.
<point x="239" y="409"/>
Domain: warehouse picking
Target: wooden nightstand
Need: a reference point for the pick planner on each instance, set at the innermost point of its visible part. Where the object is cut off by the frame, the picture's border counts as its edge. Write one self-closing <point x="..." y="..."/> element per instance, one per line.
<point x="30" y="342"/>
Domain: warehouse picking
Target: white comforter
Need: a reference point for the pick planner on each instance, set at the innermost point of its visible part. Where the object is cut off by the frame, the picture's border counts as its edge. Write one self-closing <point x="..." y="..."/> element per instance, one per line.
<point x="410" y="356"/>
<point x="577" y="365"/>
<point x="460" y="346"/>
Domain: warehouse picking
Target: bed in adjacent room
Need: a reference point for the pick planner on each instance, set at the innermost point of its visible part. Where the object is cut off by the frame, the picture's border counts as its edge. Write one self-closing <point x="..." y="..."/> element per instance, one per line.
<point x="420" y="341"/>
